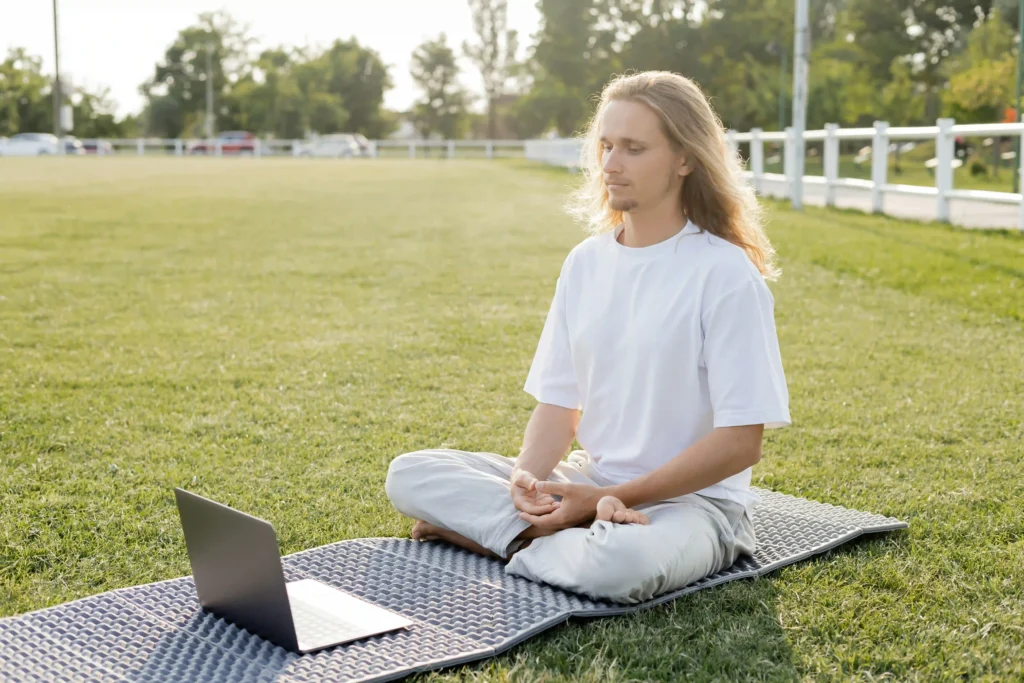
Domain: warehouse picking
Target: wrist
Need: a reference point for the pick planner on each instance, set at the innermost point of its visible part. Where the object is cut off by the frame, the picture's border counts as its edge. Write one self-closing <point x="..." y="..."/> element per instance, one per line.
<point x="624" y="492"/>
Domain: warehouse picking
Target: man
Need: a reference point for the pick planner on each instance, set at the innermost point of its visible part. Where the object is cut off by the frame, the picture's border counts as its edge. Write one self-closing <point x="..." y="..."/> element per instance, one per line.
<point x="659" y="354"/>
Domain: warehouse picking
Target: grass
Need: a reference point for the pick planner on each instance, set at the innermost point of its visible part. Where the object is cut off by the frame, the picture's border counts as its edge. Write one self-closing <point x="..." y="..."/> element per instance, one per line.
<point x="273" y="332"/>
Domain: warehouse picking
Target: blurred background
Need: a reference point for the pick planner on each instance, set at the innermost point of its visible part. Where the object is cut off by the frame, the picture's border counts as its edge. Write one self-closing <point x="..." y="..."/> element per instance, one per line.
<point x="486" y="69"/>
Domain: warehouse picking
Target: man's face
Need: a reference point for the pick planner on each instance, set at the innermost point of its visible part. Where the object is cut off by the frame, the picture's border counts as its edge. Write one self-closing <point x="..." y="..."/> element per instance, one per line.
<point x="641" y="168"/>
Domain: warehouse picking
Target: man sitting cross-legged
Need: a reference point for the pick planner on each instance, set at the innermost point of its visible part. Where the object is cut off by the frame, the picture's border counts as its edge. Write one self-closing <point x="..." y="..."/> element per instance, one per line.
<point x="659" y="354"/>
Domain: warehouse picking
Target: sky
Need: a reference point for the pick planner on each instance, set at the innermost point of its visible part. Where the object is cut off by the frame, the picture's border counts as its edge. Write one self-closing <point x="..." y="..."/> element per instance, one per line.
<point x="117" y="43"/>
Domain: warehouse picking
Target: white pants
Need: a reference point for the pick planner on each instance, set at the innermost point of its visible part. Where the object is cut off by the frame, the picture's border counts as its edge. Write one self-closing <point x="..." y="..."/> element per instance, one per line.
<point x="689" y="537"/>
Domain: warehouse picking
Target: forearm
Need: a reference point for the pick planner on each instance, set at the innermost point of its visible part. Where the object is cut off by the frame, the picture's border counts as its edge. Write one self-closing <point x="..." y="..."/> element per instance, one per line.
<point x="722" y="453"/>
<point x="549" y="433"/>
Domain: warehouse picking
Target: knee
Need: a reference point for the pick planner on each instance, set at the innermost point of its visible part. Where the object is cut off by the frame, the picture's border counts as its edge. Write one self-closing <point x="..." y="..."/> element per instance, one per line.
<point x="403" y="475"/>
<point x="621" y="571"/>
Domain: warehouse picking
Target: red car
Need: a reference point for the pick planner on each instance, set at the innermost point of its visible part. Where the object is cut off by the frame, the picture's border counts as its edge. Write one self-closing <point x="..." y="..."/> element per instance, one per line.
<point x="231" y="142"/>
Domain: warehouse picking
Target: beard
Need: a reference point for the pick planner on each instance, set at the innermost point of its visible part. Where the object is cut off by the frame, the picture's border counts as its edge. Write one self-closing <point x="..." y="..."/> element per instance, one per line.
<point x="623" y="205"/>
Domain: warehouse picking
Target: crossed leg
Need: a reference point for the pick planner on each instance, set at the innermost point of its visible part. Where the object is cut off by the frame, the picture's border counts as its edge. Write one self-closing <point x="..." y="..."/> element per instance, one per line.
<point x="609" y="509"/>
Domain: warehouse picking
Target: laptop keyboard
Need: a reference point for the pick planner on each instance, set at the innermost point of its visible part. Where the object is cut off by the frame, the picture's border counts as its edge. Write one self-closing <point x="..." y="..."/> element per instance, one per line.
<point x="313" y="626"/>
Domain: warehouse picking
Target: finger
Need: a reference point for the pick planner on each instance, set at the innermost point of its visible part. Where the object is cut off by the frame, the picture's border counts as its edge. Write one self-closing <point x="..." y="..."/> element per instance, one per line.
<point x="524" y="479"/>
<point x="524" y="500"/>
<point x="532" y="508"/>
<point x="553" y="487"/>
<point x="548" y="521"/>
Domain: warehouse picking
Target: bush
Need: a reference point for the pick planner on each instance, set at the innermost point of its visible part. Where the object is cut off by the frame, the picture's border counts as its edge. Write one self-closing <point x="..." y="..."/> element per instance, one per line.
<point x="978" y="168"/>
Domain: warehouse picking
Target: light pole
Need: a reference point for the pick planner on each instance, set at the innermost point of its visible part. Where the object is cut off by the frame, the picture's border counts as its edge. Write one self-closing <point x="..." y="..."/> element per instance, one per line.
<point x="801" y="59"/>
<point x="209" y="92"/>
<point x="57" y="99"/>
<point x="1020" y="70"/>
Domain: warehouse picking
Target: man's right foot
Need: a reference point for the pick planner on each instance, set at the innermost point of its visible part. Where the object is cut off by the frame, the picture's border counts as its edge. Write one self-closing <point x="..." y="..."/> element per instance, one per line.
<point x="611" y="509"/>
<point x="425" y="531"/>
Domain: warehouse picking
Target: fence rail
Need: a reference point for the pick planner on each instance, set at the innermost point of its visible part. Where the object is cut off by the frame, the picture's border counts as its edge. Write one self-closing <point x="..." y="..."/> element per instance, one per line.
<point x="269" y="147"/>
<point x="881" y="137"/>
<point x="567" y="153"/>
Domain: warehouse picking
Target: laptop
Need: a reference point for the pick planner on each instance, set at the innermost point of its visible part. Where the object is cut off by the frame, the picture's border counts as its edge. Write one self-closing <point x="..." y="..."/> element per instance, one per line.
<point x="236" y="566"/>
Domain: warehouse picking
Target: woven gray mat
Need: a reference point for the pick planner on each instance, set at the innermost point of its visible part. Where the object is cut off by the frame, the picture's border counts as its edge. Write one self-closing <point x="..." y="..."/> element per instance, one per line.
<point x="464" y="606"/>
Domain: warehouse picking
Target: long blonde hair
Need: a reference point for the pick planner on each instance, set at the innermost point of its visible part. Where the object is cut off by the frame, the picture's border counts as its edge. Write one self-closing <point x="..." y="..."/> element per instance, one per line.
<point x="715" y="194"/>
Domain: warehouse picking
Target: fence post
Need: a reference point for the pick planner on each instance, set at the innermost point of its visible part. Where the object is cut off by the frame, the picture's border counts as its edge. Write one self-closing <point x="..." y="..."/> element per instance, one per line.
<point x="944" y="167"/>
<point x="831" y="162"/>
<point x="756" y="157"/>
<point x="451" y="149"/>
<point x="879" y="165"/>
<point x="178" y="147"/>
<point x="140" y="147"/>
<point x="788" y="151"/>
<point x="373" y="149"/>
<point x="295" y="148"/>
<point x="490" y="149"/>
<point x="218" y="149"/>
<point x="257" y="147"/>
<point x="1020" y="174"/>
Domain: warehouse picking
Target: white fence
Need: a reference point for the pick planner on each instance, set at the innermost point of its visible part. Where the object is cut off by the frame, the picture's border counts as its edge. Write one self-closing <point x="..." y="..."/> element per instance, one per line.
<point x="263" y="147"/>
<point x="567" y="153"/>
<point x="558" y="152"/>
<point x="881" y="138"/>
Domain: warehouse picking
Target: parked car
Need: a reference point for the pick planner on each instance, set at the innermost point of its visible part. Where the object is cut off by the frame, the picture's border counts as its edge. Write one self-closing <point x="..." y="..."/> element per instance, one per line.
<point x="335" y="145"/>
<point x="97" y="147"/>
<point x="231" y="142"/>
<point x="364" y="144"/>
<point x="31" y="145"/>
<point x="73" y="146"/>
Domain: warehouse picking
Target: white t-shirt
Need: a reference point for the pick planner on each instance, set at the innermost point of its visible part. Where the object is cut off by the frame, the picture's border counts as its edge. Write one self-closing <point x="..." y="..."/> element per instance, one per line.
<point x="658" y="346"/>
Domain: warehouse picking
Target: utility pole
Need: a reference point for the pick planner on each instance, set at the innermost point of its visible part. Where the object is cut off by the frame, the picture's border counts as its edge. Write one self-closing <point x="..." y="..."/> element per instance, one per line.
<point x="57" y="99"/>
<point x="209" y="91"/>
<point x="801" y="57"/>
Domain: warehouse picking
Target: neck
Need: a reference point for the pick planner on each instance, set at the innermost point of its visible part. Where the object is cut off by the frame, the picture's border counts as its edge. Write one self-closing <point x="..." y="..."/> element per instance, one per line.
<point x="647" y="227"/>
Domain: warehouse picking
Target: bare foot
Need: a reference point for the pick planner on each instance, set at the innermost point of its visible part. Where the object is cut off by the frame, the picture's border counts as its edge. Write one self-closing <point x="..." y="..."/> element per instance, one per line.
<point x="611" y="509"/>
<point x="425" y="531"/>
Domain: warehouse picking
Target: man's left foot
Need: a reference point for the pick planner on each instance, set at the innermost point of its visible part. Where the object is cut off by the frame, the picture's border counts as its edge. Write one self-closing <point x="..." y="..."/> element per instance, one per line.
<point x="611" y="509"/>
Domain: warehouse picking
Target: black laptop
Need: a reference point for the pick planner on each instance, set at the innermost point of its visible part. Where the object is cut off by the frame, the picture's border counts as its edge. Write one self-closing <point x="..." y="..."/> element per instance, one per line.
<point x="236" y="566"/>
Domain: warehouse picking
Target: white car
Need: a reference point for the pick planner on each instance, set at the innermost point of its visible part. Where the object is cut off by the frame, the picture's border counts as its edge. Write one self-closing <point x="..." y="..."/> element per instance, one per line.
<point x="336" y="145"/>
<point x="31" y="145"/>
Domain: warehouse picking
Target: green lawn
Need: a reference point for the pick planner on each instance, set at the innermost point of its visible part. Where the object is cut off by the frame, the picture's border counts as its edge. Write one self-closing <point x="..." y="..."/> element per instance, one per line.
<point x="273" y="332"/>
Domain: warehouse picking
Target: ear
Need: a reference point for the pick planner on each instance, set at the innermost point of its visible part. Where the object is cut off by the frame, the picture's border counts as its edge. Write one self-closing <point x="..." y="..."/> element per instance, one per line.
<point x="684" y="168"/>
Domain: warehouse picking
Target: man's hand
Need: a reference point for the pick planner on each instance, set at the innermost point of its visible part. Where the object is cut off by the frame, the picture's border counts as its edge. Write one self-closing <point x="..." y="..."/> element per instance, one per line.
<point x="527" y="498"/>
<point x="578" y="505"/>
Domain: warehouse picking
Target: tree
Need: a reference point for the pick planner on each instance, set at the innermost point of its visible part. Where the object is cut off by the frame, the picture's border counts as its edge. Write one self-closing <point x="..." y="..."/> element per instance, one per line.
<point x="182" y="74"/>
<point x="26" y="103"/>
<point x="358" y="76"/>
<point x="495" y="54"/>
<point x="982" y="78"/>
<point x="571" y="61"/>
<point x="443" y="107"/>
<point x="93" y="115"/>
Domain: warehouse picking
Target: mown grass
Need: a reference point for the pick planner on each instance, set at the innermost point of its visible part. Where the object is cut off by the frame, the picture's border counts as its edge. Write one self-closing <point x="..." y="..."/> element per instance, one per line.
<point x="273" y="332"/>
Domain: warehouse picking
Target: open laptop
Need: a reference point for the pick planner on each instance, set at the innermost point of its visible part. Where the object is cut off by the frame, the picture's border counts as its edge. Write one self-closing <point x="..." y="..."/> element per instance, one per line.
<point x="236" y="566"/>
